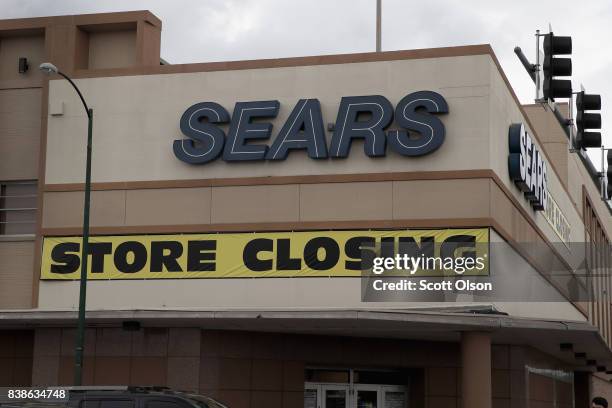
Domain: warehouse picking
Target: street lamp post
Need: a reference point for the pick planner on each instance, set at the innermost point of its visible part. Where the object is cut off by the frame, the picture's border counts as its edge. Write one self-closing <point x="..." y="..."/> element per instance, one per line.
<point x="80" y="340"/>
<point x="378" y="25"/>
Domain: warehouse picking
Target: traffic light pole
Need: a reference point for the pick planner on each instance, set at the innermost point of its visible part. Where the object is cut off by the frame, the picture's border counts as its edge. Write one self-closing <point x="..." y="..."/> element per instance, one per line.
<point x="536" y="75"/>
<point x="601" y="179"/>
<point x="605" y="176"/>
<point x="532" y="70"/>
<point x="529" y="67"/>
<point x="570" y="124"/>
<point x="565" y="123"/>
<point x="545" y="75"/>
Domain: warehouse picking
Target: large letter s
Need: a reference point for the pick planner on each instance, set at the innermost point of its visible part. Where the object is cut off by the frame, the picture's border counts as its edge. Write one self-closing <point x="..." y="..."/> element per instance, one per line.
<point x="409" y="116"/>
<point x="211" y="138"/>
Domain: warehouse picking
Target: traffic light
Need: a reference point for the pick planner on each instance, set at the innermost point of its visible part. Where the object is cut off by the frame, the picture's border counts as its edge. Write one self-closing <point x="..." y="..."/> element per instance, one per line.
<point x="609" y="176"/>
<point x="554" y="67"/>
<point x="587" y="120"/>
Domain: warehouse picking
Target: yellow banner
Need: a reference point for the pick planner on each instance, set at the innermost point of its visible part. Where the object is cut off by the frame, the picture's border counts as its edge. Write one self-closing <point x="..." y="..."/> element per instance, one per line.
<point x="252" y="255"/>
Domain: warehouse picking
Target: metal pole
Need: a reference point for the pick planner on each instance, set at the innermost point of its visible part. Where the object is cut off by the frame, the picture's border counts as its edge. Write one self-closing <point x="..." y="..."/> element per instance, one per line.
<point x="570" y="122"/>
<point x="602" y="183"/>
<point x="80" y="340"/>
<point x="378" y="25"/>
<point x="537" y="66"/>
<point x="530" y="68"/>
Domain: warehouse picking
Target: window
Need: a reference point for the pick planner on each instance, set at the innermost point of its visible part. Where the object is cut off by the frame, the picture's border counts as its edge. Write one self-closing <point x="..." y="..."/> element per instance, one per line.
<point x="600" y="270"/>
<point x="163" y="404"/>
<point x="107" y="403"/>
<point x="116" y="404"/>
<point x="18" y="200"/>
<point x="205" y="402"/>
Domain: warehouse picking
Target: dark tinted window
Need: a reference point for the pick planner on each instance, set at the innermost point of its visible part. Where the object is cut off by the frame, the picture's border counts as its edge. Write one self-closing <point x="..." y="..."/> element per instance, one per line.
<point x="107" y="404"/>
<point x="116" y="404"/>
<point x="163" y="404"/>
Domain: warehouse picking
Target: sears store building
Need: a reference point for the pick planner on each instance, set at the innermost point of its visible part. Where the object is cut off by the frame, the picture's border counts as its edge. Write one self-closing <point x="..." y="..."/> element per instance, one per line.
<point x="230" y="205"/>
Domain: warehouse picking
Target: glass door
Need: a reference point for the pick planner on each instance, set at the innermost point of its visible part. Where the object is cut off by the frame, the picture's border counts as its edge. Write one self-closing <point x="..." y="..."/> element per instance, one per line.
<point x="334" y="396"/>
<point x="336" y="388"/>
<point x="379" y="396"/>
<point x="311" y="396"/>
<point x="394" y="396"/>
<point x="366" y="396"/>
<point x="326" y="395"/>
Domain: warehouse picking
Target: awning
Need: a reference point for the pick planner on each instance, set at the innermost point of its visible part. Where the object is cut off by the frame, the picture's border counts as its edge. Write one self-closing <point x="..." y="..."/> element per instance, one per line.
<point x="544" y="335"/>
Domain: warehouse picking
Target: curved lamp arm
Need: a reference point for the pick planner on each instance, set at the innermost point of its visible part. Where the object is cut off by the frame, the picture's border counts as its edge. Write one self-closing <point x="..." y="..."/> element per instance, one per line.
<point x="78" y="92"/>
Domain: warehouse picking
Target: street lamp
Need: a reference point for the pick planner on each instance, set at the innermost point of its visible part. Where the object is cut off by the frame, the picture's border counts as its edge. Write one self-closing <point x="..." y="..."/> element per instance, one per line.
<point x="49" y="68"/>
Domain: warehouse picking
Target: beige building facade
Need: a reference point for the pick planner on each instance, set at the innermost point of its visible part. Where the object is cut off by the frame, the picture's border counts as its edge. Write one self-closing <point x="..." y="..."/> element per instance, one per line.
<point x="280" y="340"/>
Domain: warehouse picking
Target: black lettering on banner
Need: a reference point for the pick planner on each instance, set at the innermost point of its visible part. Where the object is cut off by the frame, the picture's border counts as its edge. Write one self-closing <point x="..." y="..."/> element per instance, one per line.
<point x="160" y="259"/>
<point x="354" y="248"/>
<point x="387" y="247"/>
<point x="409" y="246"/>
<point x="66" y="262"/>
<point x="284" y="262"/>
<point x="449" y="247"/>
<point x="97" y="250"/>
<point x="251" y="252"/>
<point x="121" y="253"/>
<point x="201" y="255"/>
<point x="332" y="253"/>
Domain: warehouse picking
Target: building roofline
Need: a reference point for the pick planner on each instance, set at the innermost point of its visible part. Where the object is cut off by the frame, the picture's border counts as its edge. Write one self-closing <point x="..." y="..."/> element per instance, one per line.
<point x="331" y="59"/>
<point x="18" y="24"/>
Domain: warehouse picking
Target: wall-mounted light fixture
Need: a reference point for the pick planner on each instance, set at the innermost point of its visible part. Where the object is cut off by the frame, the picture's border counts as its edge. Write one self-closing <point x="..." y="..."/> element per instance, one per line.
<point x="23" y="65"/>
<point x="130" y="325"/>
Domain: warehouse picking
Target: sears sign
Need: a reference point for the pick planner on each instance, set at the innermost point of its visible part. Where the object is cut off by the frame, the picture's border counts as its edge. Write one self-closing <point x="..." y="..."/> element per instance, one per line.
<point x="359" y="117"/>
<point x="527" y="167"/>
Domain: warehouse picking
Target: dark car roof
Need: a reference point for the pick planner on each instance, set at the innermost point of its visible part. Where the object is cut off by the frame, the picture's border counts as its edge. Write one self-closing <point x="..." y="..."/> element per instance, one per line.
<point x="77" y="394"/>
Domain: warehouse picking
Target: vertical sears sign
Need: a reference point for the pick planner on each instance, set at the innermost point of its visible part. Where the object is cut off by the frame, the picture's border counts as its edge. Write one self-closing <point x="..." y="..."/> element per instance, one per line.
<point x="527" y="167"/>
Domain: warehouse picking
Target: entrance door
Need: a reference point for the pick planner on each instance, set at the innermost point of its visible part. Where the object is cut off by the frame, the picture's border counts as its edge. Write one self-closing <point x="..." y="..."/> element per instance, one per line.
<point x="326" y="396"/>
<point x="378" y="396"/>
<point x="354" y="395"/>
<point x="335" y="396"/>
<point x="394" y="396"/>
<point x="366" y="396"/>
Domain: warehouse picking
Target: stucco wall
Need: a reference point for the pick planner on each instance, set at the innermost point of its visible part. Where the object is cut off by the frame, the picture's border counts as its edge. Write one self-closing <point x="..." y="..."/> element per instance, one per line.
<point x="136" y="120"/>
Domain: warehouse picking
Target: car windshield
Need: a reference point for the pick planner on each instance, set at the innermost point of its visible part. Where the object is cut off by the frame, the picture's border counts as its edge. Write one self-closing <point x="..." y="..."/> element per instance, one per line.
<point x="206" y="402"/>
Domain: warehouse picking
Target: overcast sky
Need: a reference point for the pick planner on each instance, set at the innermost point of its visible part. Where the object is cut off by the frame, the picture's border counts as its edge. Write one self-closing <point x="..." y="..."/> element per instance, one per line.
<point x="214" y="30"/>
